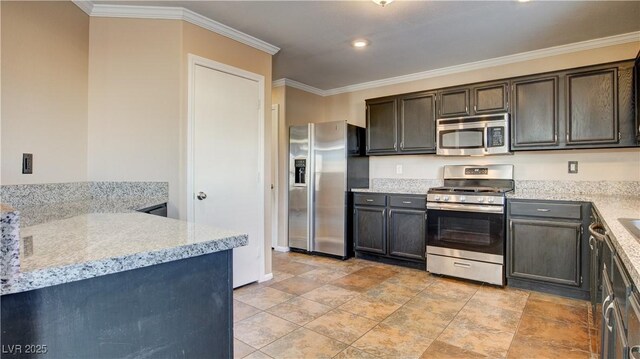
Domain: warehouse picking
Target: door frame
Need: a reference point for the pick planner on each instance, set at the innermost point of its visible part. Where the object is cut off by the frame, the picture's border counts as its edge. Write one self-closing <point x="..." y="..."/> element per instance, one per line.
<point x="193" y="61"/>
<point x="275" y="158"/>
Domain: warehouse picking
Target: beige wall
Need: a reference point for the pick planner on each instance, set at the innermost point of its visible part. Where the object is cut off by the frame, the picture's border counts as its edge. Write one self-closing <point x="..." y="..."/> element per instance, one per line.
<point x="622" y="164"/>
<point x="134" y="102"/>
<point x="304" y="107"/>
<point x="212" y="46"/>
<point x="593" y="165"/>
<point x="44" y="91"/>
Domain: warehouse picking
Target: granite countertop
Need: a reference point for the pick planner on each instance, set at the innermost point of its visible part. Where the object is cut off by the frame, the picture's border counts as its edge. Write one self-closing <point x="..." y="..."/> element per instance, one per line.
<point x="42" y="213"/>
<point x="391" y="190"/>
<point x="95" y="244"/>
<point x="46" y="244"/>
<point x="609" y="209"/>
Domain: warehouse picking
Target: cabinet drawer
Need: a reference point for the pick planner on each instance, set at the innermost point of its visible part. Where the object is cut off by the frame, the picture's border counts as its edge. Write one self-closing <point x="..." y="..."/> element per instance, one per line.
<point x="408" y="202"/>
<point x="370" y="199"/>
<point x="542" y="209"/>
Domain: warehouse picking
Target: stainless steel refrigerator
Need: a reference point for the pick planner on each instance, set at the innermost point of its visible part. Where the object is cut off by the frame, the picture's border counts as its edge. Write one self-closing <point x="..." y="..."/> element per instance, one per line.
<point x="326" y="160"/>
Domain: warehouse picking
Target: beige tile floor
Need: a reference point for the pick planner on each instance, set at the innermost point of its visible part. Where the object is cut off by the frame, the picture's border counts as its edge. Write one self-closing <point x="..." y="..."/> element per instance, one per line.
<point x="317" y="307"/>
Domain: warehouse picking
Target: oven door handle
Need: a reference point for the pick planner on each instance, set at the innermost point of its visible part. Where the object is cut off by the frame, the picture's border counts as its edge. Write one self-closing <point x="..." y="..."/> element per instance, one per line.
<point x="466" y="207"/>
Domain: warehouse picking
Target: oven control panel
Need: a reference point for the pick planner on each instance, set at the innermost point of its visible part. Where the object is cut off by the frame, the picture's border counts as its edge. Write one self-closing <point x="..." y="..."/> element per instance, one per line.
<point x="460" y="198"/>
<point x="476" y="171"/>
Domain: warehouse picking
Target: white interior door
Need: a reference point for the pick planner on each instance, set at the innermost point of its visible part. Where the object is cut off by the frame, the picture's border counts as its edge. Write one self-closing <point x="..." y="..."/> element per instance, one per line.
<point x="226" y="137"/>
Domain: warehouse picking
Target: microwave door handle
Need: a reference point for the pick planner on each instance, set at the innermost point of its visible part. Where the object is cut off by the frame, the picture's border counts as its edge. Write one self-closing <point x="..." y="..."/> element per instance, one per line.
<point x="485" y="139"/>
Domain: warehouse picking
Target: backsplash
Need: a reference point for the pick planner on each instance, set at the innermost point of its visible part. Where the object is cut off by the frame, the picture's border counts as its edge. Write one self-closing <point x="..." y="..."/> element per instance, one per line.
<point x="613" y="188"/>
<point x="627" y="188"/>
<point x="39" y="194"/>
<point x="21" y="195"/>
<point x="391" y="185"/>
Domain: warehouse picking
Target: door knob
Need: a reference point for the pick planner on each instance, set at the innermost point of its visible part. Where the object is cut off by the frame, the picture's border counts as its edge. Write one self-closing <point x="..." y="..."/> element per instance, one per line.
<point x="201" y="195"/>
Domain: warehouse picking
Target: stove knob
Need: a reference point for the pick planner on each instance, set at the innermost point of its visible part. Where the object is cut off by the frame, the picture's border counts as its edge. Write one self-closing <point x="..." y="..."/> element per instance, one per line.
<point x="463" y="198"/>
<point x="446" y="198"/>
<point x="437" y="198"/>
<point x="490" y="199"/>
<point x="480" y="199"/>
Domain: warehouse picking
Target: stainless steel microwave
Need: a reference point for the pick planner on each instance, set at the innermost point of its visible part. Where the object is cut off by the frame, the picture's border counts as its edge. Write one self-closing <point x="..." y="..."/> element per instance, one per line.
<point x="473" y="135"/>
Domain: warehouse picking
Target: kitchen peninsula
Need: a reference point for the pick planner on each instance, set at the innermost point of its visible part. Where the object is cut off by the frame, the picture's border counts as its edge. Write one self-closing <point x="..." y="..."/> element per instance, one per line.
<point x="104" y="280"/>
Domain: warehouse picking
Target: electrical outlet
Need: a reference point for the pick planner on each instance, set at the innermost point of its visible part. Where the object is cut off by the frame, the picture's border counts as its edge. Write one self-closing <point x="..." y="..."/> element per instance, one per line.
<point x="573" y="166"/>
<point x="27" y="163"/>
<point x="399" y="169"/>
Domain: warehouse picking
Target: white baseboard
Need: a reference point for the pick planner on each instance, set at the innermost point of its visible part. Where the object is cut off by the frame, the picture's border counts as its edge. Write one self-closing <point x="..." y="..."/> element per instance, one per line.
<point x="266" y="277"/>
<point x="281" y="249"/>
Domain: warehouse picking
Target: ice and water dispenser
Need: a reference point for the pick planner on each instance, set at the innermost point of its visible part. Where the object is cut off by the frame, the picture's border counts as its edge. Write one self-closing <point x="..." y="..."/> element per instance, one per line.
<point x="300" y="172"/>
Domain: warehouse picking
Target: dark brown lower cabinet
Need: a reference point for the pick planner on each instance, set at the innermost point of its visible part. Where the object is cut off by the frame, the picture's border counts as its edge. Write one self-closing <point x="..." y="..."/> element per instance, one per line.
<point x="370" y="229"/>
<point x="390" y="228"/>
<point x="544" y="250"/>
<point x="547" y="246"/>
<point x="407" y="233"/>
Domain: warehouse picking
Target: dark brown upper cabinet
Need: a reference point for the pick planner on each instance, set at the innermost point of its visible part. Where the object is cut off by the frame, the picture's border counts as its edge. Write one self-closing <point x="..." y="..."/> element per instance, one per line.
<point x="534" y="113"/>
<point x="636" y="72"/>
<point x="588" y="107"/>
<point x="454" y="102"/>
<point x="479" y="99"/>
<point x="382" y="126"/>
<point x="592" y="106"/>
<point x="418" y="122"/>
<point x="402" y="124"/>
<point x="490" y="98"/>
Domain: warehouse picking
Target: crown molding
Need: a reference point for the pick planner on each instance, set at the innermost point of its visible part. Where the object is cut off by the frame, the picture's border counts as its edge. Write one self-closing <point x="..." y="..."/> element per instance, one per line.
<point x="497" y="61"/>
<point x="86" y="6"/>
<point x="299" y="86"/>
<point x="174" y="13"/>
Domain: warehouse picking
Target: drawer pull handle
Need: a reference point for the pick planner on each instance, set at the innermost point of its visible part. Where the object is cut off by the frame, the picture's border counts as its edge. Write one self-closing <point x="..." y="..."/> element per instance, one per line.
<point x="463" y="265"/>
<point x="606" y="316"/>
<point x="406" y="202"/>
<point x="543" y="210"/>
<point x="369" y="200"/>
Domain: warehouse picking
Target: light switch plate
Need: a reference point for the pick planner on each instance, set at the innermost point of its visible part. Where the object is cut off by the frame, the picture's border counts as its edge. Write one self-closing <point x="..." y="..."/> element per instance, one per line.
<point x="27" y="163"/>
<point x="573" y="166"/>
<point x="399" y="169"/>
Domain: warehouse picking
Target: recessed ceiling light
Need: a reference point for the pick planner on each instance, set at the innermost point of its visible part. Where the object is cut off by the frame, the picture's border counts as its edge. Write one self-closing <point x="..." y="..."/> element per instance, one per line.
<point x="523" y="0"/>
<point x="383" y="2"/>
<point x="360" y="43"/>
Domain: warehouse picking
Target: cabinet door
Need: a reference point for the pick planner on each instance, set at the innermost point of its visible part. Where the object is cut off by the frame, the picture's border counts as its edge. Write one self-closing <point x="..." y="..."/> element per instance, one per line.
<point x="534" y="115"/>
<point x="382" y="124"/>
<point x="607" y="331"/>
<point x="592" y="107"/>
<point x="407" y="233"/>
<point x="453" y="102"/>
<point x="636" y="81"/>
<point x="370" y="229"/>
<point x="418" y="123"/>
<point x="490" y="98"/>
<point x="547" y="251"/>
<point x="633" y="331"/>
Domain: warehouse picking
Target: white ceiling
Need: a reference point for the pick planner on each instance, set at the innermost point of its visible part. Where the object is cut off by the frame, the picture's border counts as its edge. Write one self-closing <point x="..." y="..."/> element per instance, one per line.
<point x="406" y="36"/>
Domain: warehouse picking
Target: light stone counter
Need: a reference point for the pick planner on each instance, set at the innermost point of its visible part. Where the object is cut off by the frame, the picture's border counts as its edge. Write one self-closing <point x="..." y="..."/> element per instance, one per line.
<point x="609" y="209"/>
<point x="96" y="244"/>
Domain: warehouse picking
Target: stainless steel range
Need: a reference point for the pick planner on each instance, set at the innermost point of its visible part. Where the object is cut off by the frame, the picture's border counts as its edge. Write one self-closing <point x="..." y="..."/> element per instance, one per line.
<point x="466" y="222"/>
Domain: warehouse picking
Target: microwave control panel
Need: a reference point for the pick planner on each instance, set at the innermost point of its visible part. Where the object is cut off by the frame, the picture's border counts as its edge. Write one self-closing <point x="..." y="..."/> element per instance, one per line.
<point x="495" y="136"/>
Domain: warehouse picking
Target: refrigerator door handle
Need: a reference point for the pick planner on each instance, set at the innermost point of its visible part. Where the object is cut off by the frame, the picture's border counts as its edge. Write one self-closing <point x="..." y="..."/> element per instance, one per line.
<point x="311" y="171"/>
